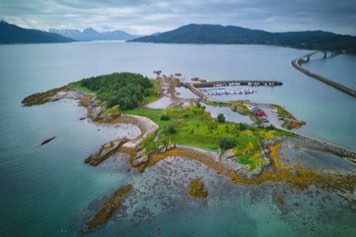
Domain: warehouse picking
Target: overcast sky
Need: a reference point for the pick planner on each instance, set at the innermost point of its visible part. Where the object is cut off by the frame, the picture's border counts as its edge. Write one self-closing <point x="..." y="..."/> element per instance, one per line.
<point x="151" y="16"/>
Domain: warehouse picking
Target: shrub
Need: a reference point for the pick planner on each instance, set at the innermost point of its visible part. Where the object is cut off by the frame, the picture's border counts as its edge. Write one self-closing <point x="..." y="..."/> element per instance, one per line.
<point x="165" y="118"/>
<point x="227" y="143"/>
<point x="221" y="118"/>
<point x="243" y="126"/>
<point x="270" y="127"/>
<point x="171" y="129"/>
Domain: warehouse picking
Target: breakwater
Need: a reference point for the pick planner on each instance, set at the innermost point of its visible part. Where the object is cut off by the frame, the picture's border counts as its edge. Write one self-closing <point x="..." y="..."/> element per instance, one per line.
<point x="237" y="83"/>
<point x="297" y="65"/>
<point x="343" y="152"/>
<point x="196" y="91"/>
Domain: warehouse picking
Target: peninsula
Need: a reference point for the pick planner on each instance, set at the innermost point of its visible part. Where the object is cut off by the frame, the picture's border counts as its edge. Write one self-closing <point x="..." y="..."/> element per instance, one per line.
<point x="243" y="153"/>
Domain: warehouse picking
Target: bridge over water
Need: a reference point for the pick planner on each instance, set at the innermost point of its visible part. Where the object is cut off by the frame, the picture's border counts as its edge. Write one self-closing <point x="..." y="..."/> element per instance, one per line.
<point x="297" y="64"/>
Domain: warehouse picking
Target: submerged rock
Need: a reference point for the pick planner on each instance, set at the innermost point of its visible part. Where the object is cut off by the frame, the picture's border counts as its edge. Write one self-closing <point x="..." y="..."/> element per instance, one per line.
<point x="104" y="152"/>
<point x="110" y="206"/>
<point x="47" y="140"/>
<point x="196" y="189"/>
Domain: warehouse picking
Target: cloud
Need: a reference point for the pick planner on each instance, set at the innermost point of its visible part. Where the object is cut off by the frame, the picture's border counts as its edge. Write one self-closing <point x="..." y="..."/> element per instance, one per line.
<point x="150" y="16"/>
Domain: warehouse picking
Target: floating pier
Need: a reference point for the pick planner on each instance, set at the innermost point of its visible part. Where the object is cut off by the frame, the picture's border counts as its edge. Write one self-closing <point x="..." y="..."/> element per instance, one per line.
<point x="222" y="91"/>
<point x="237" y="83"/>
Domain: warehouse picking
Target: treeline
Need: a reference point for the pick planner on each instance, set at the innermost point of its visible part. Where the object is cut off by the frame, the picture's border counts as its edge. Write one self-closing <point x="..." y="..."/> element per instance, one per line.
<point x="125" y="89"/>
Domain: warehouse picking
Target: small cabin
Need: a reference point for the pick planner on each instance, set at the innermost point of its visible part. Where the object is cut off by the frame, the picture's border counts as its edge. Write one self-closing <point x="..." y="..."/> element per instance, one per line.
<point x="258" y="112"/>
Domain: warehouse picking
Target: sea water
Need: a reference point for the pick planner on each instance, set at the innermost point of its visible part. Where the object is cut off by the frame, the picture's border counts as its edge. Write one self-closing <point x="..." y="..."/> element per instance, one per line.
<point x="49" y="191"/>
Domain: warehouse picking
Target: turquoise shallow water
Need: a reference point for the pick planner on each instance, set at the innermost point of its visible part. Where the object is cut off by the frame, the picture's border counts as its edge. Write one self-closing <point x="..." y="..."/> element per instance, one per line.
<point x="49" y="191"/>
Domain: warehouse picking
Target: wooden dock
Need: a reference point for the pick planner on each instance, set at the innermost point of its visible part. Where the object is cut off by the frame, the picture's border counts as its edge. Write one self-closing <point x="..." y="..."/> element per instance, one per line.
<point x="237" y="83"/>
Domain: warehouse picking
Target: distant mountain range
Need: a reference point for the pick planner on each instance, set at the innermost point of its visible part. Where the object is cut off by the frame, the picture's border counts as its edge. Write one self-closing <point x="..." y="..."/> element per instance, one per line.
<point x="12" y="34"/>
<point x="217" y="34"/>
<point x="90" y="34"/>
<point x="193" y="34"/>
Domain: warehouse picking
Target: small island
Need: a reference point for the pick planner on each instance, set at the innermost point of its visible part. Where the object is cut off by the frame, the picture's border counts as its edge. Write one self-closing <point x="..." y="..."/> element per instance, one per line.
<point x="174" y="126"/>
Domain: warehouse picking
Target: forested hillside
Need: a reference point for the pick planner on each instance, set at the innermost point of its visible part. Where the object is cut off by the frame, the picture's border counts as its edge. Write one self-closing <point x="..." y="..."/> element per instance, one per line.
<point x="12" y="34"/>
<point x="217" y="34"/>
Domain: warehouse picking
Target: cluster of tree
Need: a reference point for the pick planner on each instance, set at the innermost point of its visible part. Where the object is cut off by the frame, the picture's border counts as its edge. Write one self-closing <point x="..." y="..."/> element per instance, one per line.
<point x="221" y="118"/>
<point x="125" y="89"/>
<point x="243" y="126"/>
<point x="171" y="129"/>
<point x="165" y="118"/>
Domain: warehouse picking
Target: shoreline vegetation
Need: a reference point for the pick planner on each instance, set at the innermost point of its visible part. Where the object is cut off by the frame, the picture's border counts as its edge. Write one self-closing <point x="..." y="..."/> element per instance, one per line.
<point x="244" y="154"/>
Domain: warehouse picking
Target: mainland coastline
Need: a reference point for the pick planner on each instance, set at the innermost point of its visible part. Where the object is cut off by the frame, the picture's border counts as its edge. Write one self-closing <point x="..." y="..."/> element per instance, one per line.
<point x="223" y="160"/>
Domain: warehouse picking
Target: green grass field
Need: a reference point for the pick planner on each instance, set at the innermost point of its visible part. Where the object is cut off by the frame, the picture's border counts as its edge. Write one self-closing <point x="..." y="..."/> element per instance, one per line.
<point x="195" y="128"/>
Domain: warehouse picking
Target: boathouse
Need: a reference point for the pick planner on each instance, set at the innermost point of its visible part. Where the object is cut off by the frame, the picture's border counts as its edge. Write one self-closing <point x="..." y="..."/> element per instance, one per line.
<point x="258" y="112"/>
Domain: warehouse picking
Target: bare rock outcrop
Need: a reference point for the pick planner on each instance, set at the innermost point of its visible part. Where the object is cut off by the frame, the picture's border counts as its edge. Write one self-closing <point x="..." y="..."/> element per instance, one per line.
<point x="44" y="97"/>
<point x="104" y="152"/>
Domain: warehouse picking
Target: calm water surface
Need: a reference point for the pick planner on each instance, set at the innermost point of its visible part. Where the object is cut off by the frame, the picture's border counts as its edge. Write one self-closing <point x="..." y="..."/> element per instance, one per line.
<point x="341" y="68"/>
<point x="49" y="191"/>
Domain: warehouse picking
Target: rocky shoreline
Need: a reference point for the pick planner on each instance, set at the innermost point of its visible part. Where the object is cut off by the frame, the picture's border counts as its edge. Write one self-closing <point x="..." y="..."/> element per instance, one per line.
<point x="104" y="152"/>
<point x="224" y="163"/>
<point x="140" y="159"/>
<point x="323" y="146"/>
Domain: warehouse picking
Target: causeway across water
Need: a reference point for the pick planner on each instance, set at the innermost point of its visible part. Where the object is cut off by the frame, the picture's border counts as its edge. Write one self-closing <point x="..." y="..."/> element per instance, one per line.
<point x="299" y="61"/>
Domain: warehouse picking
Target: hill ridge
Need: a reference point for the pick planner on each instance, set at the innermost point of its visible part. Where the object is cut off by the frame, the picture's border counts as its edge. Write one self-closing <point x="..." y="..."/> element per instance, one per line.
<point x="218" y="34"/>
<point x="13" y="34"/>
